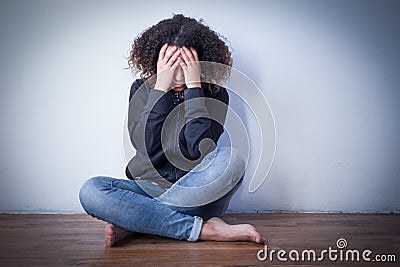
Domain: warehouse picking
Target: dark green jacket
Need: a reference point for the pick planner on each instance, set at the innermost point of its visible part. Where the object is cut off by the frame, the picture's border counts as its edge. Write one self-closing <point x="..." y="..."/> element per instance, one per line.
<point x="190" y="123"/>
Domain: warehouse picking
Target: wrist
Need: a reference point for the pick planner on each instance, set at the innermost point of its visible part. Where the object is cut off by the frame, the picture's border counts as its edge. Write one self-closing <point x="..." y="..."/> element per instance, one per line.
<point x="161" y="87"/>
<point x="193" y="85"/>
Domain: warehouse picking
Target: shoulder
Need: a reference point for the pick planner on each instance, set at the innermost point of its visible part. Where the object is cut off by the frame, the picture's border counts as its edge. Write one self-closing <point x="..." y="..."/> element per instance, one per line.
<point x="135" y="87"/>
<point x="222" y="95"/>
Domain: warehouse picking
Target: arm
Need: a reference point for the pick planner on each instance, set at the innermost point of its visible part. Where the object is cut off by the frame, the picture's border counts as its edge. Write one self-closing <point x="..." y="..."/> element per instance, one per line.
<point x="149" y="107"/>
<point x="198" y="125"/>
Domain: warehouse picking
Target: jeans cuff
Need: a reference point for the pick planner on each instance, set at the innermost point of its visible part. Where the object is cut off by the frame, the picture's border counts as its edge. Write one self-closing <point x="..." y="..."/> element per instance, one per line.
<point x="196" y="229"/>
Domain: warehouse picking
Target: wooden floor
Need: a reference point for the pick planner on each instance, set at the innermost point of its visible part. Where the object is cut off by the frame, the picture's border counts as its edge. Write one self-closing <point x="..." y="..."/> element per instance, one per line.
<point x="77" y="240"/>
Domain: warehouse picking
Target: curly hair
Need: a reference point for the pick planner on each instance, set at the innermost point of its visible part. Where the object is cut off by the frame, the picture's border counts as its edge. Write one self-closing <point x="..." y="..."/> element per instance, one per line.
<point x="181" y="31"/>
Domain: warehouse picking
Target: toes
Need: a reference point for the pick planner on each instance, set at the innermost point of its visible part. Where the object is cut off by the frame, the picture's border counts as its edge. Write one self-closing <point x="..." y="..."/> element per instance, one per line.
<point x="259" y="239"/>
<point x="109" y="237"/>
<point x="109" y="229"/>
<point x="254" y="235"/>
<point x="109" y="240"/>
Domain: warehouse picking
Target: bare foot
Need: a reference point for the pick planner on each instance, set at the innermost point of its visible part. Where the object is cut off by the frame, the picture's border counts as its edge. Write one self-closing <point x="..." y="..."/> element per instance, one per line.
<point x="216" y="229"/>
<point x="113" y="234"/>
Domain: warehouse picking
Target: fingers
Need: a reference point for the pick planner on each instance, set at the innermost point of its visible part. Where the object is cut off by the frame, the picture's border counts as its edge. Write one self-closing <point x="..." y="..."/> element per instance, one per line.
<point x="176" y="64"/>
<point x="194" y="52"/>
<point x="169" y="53"/>
<point x="191" y="54"/>
<point x="161" y="55"/>
<point x="173" y="58"/>
<point x="185" y="57"/>
<point x="187" y="54"/>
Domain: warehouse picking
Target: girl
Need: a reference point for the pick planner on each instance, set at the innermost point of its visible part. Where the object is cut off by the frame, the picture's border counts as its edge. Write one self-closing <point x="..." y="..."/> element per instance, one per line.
<point x="179" y="183"/>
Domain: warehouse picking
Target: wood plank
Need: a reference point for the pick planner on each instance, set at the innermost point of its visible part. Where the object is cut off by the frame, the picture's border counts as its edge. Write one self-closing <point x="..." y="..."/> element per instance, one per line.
<point x="77" y="240"/>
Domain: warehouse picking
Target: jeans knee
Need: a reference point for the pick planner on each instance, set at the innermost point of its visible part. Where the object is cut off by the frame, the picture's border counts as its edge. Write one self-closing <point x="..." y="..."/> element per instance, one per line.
<point x="234" y="160"/>
<point x="90" y="191"/>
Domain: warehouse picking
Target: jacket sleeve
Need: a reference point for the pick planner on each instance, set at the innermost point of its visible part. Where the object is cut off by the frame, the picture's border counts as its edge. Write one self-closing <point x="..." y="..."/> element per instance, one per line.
<point x="147" y="111"/>
<point x="198" y="125"/>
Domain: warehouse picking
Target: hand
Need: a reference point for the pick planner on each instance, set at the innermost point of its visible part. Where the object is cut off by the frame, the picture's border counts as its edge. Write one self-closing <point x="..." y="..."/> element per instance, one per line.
<point x="168" y="61"/>
<point x="191" y="67"/>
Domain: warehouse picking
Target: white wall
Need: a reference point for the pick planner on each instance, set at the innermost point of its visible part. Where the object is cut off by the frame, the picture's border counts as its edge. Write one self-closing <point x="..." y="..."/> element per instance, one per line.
<point x="329" y="69"/>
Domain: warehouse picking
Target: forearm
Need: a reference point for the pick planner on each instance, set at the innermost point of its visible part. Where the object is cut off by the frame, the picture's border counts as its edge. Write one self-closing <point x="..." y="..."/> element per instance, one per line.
<point x="198" y="125"/>
<point x="145" y="133"/>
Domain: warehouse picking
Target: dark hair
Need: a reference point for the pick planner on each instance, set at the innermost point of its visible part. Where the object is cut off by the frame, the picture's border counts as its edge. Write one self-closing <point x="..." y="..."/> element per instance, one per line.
<point x="180" y="31"/>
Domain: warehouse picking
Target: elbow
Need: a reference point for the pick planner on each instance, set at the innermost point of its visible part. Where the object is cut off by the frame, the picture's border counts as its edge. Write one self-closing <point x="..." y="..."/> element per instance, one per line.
<point x="199" y="150"/>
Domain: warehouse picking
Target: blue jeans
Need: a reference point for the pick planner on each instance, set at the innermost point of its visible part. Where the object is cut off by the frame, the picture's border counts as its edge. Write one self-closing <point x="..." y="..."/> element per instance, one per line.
<point x="132" y="205"/>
